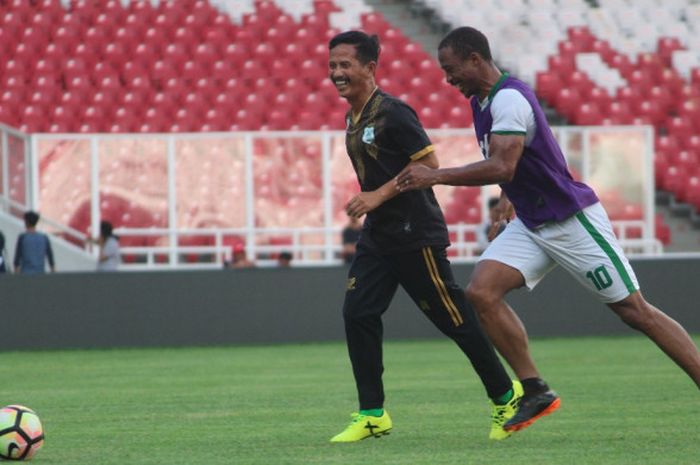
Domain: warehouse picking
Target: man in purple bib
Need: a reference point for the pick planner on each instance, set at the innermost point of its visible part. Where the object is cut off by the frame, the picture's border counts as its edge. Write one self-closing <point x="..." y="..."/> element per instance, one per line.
<point x="558" y="221"/>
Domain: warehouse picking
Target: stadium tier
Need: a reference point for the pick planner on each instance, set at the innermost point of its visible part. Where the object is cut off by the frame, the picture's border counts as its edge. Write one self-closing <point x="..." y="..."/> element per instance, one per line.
<point x="180" y="66"/>
<point x="119" y="66"/>
<point x="605" y="63"/>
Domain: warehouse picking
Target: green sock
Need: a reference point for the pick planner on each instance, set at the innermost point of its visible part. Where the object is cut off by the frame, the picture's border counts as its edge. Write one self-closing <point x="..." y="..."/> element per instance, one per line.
<point x="374" y="412"/>
<point x="505" y="398"/>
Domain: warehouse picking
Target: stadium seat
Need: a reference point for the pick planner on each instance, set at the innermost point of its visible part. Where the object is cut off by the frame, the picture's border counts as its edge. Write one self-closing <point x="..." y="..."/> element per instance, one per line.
<point x="588" y="114"/>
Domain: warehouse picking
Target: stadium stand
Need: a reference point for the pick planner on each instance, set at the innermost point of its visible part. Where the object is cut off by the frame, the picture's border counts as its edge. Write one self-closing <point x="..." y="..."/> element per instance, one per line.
<point x="111" y="66"/>
<point x="608" y="62"/>
<point x="155" y="66"/>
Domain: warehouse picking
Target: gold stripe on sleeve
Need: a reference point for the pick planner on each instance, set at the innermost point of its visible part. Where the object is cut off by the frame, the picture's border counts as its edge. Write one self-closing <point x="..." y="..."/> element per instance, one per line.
<point x="440" y="286"/>
<point x="423" y="152"/>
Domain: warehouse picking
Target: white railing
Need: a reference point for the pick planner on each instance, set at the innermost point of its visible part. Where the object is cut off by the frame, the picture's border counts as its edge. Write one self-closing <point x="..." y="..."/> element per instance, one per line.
<point x="259" y="186"/>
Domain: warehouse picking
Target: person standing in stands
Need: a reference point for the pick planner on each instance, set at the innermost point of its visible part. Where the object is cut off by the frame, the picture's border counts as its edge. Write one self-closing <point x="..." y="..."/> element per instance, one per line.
<point x="33" y="248"/>
<point x="108" y="259"/>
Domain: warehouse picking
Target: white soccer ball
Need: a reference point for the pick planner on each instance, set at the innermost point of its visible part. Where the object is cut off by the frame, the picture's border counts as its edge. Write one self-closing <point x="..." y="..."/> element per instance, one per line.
<point x="21" y="433"/>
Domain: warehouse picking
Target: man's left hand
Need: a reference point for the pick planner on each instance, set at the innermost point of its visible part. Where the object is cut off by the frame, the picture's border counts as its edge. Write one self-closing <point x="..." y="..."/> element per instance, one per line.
<point x="414" y="176"/>
<point x="362" y="203"/>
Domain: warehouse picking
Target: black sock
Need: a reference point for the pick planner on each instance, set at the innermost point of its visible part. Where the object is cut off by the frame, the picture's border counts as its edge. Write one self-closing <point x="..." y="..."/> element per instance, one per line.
<point x="534" y="386"/>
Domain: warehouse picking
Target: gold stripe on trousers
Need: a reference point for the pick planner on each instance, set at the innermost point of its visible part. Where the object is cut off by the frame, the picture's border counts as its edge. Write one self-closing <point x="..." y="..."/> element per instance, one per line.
<point x="440" y="286"/>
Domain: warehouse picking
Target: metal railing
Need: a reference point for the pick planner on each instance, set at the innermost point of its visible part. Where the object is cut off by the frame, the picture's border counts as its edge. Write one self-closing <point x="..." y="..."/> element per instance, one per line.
<point x="25" y="184"/>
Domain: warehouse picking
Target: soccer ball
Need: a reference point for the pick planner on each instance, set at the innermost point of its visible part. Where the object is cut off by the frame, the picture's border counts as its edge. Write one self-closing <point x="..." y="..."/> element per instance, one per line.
<point x="21" y="434"/>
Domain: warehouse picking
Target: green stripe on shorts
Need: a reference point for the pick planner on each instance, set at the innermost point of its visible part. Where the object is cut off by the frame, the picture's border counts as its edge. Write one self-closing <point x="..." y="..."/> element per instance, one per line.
<point x="609" y="251"/>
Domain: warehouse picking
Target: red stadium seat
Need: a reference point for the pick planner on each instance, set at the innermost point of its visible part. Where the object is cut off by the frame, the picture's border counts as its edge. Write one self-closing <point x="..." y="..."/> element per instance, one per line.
<point x="34" y="118"/>
<point x="588" y="114"/>
<point x="651" y="110"/>
<point x="43" y="99"/>
<point x="603" y="48"/>
<point x="548" y="85"/>
<point x="666" y="47"/>
<point x="13" y="97"/>
<point x="692" y="144"/>
<point x="622" y="63"/>
<point x="252" y="71"/>
<point x="666" y="143"/>
<point x="674" y="179"/>
<point x="394" y="37"/>
<point x="620" y="113"/>
<point x="651" y="65"/>
<point x="96" y="35"/>
<point x="695" y="76"/>
<point x="567" y="101"/>
<point x="600" y="97"/>
<point x="680" y="128"/>
<point x="374" y="22"/>
<point x="568" y="48"/>
<point x="630" y="96"/>
<point x="671" y="80"/>
<point x="413" y="54"/>
<point x="104" y="99"/>
<point x="562" y="66"/>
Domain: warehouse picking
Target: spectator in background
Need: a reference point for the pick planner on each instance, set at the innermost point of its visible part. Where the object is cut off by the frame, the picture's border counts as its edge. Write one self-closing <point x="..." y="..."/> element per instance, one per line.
<point x="240" y="258"/>
<point x="109" y="258"/>
<point x="284" y="259"/>
<point x="3" y="267"/>
<point x="351" y="234"/>
<point x="33" y="248"/>
<point x="483" y="235"/>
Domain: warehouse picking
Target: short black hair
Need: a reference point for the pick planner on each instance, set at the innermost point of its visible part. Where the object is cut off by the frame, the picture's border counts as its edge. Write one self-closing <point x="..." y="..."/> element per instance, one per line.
<point x="285" y="256"/>
<point x="366" y="46"/>
<point x="466" y="40"/>
<point x="31" y="218"/>
<point x="106" y="229"/>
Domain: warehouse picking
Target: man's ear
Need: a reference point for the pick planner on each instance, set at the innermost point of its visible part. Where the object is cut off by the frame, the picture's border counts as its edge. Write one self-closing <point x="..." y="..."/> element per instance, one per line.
<point x="372" y="67"/>
<point x="475" y="58"/>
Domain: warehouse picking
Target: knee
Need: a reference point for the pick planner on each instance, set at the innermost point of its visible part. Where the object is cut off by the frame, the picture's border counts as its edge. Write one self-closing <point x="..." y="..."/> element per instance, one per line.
<point x="482" y="297"/>
<point x="640" y="316"/>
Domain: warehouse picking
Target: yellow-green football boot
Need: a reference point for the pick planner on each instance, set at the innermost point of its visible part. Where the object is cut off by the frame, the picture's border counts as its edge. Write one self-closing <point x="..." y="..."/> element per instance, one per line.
<point x="500" y="414"/>
<point x="364" y="426"/>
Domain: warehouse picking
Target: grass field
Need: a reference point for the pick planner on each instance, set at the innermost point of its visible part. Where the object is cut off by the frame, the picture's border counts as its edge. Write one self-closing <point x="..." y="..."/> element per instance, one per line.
<point x="623" y="402"/>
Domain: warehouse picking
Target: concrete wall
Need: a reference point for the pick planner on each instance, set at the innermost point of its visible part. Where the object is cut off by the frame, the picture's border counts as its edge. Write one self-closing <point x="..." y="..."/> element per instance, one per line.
<point x="284" y="305"/>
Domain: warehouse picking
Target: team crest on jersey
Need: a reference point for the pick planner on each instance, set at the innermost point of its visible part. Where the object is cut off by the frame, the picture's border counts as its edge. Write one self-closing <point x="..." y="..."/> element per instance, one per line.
<point x="368" y="135"/>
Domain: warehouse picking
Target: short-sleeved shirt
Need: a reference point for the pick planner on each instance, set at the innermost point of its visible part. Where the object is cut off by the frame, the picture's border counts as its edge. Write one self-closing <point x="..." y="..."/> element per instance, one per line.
<point x="386" y="137"/>
<point x="33" y="249"/>
<point x="542" y="189"/>
<point x="110" y="249"/>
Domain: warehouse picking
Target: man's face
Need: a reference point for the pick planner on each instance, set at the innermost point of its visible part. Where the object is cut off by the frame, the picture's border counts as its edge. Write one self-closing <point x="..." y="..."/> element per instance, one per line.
<point x="459" y="72"/>
<point x="347" y="72"/>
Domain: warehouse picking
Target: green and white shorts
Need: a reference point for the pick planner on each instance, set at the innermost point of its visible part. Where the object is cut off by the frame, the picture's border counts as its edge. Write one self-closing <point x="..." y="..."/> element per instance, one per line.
<point x="584" y="245"/>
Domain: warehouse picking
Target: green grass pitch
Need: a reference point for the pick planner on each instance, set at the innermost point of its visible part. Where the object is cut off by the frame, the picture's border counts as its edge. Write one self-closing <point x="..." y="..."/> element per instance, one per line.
<point x="623" y="402"/>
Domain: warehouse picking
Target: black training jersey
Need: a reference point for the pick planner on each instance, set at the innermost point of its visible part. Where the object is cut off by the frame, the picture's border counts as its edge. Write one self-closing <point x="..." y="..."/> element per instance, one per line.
<point x="380" y="144"/>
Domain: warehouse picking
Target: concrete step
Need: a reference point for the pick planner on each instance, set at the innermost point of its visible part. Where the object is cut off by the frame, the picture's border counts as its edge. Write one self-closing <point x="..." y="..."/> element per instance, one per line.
<point x="403" y="15"/>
